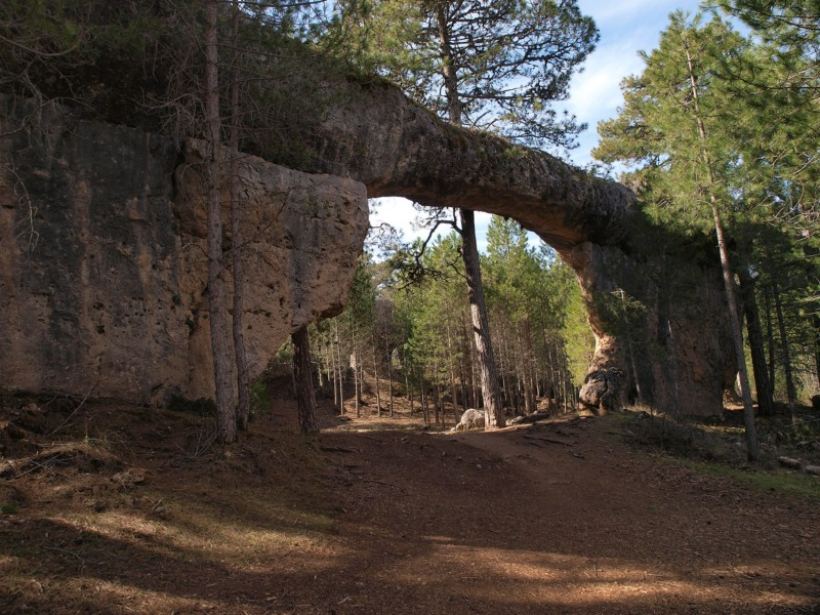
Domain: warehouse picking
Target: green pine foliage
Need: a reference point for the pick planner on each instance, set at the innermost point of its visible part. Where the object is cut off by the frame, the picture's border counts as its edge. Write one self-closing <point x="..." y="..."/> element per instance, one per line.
<point x="511" y="59"/>
<point x="540" y="331"/>
<point x="758" y="100"/>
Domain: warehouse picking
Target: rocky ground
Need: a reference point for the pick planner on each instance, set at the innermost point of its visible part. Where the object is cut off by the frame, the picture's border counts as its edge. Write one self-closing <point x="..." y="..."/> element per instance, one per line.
<point x="115" y="509"/>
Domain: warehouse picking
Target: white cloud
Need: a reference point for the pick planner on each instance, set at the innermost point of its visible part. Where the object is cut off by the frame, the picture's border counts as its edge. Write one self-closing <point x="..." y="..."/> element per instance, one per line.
<point x="596" y="93"/>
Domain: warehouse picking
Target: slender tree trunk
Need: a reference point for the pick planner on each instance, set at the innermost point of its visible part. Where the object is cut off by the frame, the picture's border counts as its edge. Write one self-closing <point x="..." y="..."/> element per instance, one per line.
<point x="629" y="350"/>
<point x="376" y="376"/>
<point x="553" y="372"/>
<point x="815" y="319"/>
<point x="462" y="367"/>
<point x="243" y="410"/>
<point x="448" y="68"/>
<point x="389" y="373"/>
<point x="481" y="325"/>
<point x="752" y="449"/>
<point x="335" y="379"/>
<point x="770" y="341"/>
<point x="737" y="336"/>
<point x="220" y="345"/>
<point x="791" y="393"/>
<point x="390" y="390"/>
<point x="303" y="377"/>
<point x="408" y="390"/>
<point x="564" y="389"/>
<point x="439" y="406"/>
<point x="531" y="387"/>
<point x="451" y="369"/>
<point x="424" y="411"/>
<point x="764" y="394"/>
<point x="320" y="376"/>
<point x="340" y="368"/>
<point x="454" y="393"/>
<point x="472" y="363"/>
<point x="355" y="365"/>
<point x="472" y="267"/>
<point x="506" y="397"/>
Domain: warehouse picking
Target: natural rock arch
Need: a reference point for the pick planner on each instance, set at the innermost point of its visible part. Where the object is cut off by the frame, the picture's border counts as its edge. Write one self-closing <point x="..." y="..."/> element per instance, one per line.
<point x="674" y="346"/>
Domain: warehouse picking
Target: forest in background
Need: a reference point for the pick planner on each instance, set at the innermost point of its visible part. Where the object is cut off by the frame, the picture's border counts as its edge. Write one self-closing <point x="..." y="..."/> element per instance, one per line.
<point x="408" y="322"/>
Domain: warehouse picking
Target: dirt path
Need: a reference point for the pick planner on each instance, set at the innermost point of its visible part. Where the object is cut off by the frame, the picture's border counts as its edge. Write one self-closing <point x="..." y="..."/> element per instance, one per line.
<point x="562" y="518"/>
<point x="553" y="518"/>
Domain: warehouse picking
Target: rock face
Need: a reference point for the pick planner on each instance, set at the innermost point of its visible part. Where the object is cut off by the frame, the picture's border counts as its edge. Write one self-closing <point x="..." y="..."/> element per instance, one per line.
<point x="102" y="260"/>
<point x="661" y="331"/>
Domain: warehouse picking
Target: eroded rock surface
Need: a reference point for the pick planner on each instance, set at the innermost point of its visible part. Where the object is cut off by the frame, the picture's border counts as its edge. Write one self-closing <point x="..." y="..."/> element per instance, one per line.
<point x="675" y="352"/>
<point x="103" y="270"/>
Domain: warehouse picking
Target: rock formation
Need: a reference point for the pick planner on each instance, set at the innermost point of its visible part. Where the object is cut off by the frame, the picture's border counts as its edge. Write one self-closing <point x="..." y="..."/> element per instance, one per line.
<point x="673" y="347"/>
<point x="114" y="284"/>
<point x="103" y="269"/>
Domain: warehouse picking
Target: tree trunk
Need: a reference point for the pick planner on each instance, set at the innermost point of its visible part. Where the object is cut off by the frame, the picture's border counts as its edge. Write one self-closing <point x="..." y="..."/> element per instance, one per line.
<point x="340" y="368"/>
<point x="791" y="393"/>
<point x="335" y="379"/>
<point x="815" y="319"/>
<point x="438" y="405"/>
<point x="531" y="394"/>
<point x="408" y="390"/>
<point x="564" y="393"/>
<point x="471" y="363"/>
<point x="770" y="341"/>
<point x="355" y="366"/>
<point x="424" y="411"/>
<point x="472" y="267"/>
<point x="376" y="376"/>
<point x="764" y="394"/>
<point x="321" y="377"/>
<point x="243" y="410"/>
<point x="752" y="449"/>
<point x="481" y="325"/>
<point x="389" y="374"/>
<point x="303" y="378"/>
<point x="463" y="367"/>
<point x="451" y="369"/>
<point x="220" y="346"/>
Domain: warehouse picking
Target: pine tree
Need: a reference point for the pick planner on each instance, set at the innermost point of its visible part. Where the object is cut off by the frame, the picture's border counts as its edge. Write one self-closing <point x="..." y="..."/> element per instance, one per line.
<point x="497" y="65"/>
<point x="217" y="312"/>
<point x="668" y="127"/>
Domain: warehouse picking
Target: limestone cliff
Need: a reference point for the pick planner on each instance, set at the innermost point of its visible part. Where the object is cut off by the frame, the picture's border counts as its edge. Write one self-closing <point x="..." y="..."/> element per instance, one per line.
<point x="102" y="260"/>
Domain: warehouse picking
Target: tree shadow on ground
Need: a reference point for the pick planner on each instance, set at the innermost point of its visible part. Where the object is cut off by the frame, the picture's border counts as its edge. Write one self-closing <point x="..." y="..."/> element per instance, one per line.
<point x="404" y="522"/>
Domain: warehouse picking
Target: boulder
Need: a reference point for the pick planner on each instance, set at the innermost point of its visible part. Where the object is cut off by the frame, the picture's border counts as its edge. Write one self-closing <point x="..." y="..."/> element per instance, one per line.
<point x="470" y="419"/>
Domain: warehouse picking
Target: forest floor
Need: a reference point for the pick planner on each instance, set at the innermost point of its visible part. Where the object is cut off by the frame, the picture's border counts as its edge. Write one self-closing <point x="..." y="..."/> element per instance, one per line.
<point x="118" y="509"/>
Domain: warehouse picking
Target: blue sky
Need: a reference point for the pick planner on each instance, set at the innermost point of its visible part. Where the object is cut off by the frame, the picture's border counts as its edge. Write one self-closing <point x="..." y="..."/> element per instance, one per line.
<point x="626" y="27"/>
